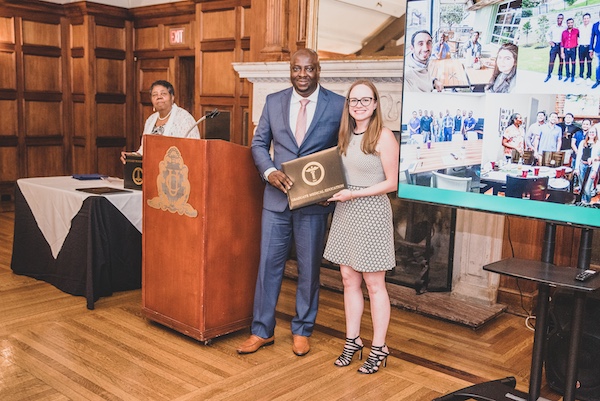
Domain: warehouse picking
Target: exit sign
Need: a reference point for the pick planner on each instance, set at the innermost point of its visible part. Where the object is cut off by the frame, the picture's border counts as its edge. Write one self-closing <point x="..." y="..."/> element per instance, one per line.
<point x="176" y="36"/>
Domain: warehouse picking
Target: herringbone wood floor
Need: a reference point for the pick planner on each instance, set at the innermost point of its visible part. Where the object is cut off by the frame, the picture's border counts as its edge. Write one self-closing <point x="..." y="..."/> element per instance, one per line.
<point x="53" y="348"/>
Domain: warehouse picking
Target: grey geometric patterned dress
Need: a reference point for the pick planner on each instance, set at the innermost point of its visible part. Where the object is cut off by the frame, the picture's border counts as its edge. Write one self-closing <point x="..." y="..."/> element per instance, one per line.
<point x="362" y="233"/>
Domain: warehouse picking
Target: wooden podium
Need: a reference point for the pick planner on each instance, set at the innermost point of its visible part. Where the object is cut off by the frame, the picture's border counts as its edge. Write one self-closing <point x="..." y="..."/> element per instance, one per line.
<point x="201" y="235"/>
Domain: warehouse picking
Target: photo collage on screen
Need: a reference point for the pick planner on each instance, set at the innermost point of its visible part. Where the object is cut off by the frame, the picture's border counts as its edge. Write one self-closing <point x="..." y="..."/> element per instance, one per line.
<point x="503" y="99"/>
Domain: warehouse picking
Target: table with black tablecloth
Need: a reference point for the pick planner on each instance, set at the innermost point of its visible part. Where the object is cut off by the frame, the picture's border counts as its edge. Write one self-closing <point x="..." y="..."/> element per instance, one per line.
<point x="83" y="244"/>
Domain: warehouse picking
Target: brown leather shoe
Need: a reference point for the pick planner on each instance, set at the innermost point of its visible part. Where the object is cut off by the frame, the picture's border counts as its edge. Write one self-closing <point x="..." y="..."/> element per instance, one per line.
<point x="301" y="345"/>
<point x="253" y="343"/>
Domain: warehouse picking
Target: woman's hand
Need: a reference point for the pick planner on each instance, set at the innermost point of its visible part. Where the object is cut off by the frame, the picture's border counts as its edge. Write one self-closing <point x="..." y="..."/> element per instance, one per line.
<point x="343" y="196"/>
<point x="124" y="154"/>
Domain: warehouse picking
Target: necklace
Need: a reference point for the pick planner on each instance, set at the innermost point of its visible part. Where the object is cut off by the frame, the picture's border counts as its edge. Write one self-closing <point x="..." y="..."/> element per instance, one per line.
<point x="359" y="133"/>
<point x="165" y="117"/>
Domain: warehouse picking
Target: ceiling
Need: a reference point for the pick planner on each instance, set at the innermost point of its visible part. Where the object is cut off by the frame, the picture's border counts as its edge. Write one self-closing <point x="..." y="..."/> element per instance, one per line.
<point x="346" y="27"/>
<point x="361" y="27"/>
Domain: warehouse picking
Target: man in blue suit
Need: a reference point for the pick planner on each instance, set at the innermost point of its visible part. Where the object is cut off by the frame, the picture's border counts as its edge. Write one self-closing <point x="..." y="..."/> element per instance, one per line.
<point x="306" y="226"/>
<point x="595" y="47"/>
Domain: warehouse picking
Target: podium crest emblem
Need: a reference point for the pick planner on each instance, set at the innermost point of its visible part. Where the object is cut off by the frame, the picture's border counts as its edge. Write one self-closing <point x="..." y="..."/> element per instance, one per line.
<point x="173" y="185"/>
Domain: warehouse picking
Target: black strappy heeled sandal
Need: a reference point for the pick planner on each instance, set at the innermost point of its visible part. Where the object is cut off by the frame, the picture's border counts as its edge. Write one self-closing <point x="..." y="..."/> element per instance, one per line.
<point x="350" y="348"/>
<point x="377" y="356"/>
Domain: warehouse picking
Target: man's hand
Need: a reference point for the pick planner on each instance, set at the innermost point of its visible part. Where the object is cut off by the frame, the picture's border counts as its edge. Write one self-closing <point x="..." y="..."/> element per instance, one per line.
<point x="280" y="181"/>
<point x="438" y="85"/>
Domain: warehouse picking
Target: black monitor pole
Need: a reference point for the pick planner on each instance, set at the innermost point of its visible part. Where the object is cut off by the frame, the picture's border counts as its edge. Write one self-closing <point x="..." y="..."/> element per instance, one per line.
<point x="583" y="263"/>
<point x="539" y="340"/>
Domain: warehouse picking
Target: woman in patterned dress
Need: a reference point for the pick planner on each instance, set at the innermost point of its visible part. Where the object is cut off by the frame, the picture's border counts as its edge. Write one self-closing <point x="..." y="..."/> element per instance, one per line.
<point x="361" y="238"/>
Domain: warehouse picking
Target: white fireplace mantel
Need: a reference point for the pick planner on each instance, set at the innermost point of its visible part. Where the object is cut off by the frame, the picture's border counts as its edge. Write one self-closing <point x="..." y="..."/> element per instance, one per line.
<point x="336" y="75"/>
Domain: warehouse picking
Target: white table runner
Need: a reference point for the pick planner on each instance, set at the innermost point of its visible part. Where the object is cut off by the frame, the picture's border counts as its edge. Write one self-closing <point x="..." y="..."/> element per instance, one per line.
<point x="54" y="202"/>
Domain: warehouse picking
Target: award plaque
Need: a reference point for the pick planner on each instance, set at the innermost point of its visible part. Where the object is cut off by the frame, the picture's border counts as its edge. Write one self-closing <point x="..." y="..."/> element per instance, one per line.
<point x="316" y="177"/>
<point x="132" y="172"/>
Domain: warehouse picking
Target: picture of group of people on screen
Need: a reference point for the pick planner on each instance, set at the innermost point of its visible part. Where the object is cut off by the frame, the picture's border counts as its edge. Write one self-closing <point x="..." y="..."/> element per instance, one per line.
<point x="529" y="73"/>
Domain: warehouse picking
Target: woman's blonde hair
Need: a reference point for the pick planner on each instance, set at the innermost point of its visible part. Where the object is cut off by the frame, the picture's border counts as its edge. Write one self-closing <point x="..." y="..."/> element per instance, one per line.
<point x="348" y="124"/>
<point x="587" y="141"/>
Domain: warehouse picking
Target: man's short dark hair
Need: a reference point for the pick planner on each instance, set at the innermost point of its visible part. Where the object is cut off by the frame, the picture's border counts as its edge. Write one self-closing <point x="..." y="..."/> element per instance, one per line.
<point x="588" y="14"/>
<point x="412" y="39"/>
<point x="570" y="19"/>
<point x="542" y="112"/>
<point x="569" y="114"/>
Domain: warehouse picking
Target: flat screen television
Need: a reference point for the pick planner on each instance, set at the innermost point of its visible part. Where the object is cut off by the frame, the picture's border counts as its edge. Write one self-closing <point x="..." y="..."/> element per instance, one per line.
<point x="493" y="117"/>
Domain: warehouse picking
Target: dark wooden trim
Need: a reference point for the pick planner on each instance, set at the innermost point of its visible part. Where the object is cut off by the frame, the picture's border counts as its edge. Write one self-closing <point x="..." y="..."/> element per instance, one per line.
<point x="111" y="54"/>
<point x="78" y="97"/>
<point x="43" y="96"/>
<point x="48" y="51"/>
<point x="50" y="140"/>
<point x="111" y="98"/>
<point x="215" y="45"/>
<point x="111" y="142"/>
<point x="77" y="52"/>
<point x="8" y="141"/>
<point x="245" y="43"/>
<point x="8" y="94"/>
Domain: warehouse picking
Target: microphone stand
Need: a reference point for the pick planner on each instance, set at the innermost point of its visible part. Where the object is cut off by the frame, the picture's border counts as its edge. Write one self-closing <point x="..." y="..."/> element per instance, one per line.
<point x="212" y="114"/>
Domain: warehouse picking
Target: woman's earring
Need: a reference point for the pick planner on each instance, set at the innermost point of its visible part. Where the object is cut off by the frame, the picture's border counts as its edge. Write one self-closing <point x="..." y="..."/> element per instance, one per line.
<point x="153" y="110"/>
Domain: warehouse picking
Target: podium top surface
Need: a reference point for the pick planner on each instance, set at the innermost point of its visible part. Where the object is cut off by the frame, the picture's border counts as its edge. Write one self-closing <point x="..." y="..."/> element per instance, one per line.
<point x="542" y="272"/>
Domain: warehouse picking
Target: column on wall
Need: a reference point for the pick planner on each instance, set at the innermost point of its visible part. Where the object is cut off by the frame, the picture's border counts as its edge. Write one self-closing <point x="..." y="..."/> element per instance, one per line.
<point x="478" y="241"/>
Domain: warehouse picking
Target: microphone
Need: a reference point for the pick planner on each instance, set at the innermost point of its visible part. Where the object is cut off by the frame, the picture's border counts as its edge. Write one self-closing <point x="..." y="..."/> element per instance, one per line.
<point x="212" y="114"/>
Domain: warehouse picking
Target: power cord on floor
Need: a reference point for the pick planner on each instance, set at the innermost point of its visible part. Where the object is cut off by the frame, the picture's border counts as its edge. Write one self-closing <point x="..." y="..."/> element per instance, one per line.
<point x="529" y="317"/>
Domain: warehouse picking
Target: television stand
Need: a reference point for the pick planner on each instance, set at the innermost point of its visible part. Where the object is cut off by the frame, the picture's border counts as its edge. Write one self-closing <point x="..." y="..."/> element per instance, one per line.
<point x="547" y="275"/>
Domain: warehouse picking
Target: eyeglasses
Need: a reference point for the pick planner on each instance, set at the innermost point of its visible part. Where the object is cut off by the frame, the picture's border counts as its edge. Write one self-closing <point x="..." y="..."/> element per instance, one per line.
<point x="365" y="101"/>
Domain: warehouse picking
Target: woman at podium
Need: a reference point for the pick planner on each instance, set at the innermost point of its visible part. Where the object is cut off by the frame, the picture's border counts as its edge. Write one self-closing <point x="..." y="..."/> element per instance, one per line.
<point x="168" y="119"/>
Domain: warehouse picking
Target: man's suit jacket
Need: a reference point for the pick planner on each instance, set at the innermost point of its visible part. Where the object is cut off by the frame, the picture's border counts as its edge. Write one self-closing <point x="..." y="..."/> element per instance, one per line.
<point x="274" y="126"/>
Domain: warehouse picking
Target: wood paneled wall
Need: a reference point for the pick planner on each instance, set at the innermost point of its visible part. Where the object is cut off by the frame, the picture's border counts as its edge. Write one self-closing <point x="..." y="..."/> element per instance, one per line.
<point x="33" y="93"/>
<point x="76" y="90"/>
<point x="74" y="78"/>
<point x="101" y="56"/>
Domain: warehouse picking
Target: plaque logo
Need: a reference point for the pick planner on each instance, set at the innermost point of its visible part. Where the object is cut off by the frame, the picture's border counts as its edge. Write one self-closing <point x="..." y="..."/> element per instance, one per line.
<point x="173" y="185"/>
<point x="313" y="173"/>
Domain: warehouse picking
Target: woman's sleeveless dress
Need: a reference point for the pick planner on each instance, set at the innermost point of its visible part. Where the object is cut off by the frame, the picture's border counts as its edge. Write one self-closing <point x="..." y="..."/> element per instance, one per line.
<point x="362" y="233"/>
